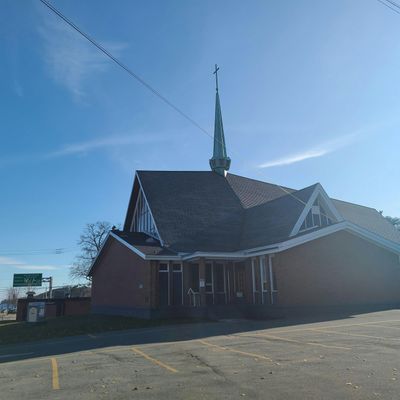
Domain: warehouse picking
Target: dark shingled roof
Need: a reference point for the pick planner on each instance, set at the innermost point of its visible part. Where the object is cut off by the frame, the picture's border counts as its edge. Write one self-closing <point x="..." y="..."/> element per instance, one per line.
<point x="368" y="218"/>
<point x="203" y="211"/>
<point x="193" y="210"/>
<point x="252" y="193"/>
<point x="272" y="222"/>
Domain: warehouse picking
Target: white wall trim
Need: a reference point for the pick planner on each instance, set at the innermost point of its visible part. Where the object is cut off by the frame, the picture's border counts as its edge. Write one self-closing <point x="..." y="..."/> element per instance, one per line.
<point x="275" y="248"/>
<point x="134" y="249"/>
<point x="318" y="191"/>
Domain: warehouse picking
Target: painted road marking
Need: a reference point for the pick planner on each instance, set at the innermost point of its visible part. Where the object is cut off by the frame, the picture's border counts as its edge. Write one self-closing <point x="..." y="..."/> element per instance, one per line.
<point x="235" y="351"/>
<point x="54" y="367"/>
<point x="323" y="330"/>
<point x="334" y="326"/>
<point x="268" y="336"/>
<point x="155" y="361"/>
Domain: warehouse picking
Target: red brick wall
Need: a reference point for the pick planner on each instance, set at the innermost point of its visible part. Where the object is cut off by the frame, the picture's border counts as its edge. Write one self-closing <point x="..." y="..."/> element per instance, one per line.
<point x="336" y="270"/>
<point x="116" y="278"/>
<point x="74" y="306"/>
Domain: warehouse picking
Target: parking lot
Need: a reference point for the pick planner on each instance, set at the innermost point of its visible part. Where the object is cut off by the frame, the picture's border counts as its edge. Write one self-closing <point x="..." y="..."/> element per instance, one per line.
<point x="356" y="357"/>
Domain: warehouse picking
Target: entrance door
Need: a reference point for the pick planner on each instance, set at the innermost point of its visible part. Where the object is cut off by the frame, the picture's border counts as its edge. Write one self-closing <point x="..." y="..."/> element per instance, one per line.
<point x="163" y="274"/>
<point x="239" y="282"/>
<point x="230" y="283"/>
<point x="176" y="284"/>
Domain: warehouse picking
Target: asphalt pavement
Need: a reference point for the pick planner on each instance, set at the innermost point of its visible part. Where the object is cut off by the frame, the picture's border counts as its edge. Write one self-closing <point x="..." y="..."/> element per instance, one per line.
<point x="346" y="357"/>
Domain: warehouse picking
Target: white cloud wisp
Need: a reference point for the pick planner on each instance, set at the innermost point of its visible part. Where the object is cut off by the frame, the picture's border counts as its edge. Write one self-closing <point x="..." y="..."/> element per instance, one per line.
<point x="71" y="60"/>
<point x="13" y="263"/>
<point x="315" y="152"/>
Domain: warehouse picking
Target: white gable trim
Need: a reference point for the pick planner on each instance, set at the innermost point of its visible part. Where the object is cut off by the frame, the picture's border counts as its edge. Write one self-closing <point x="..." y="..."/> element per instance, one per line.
<point x="271" y="249"/>
<point x="373" y="238"/>
<point x="140" y="254"/>
<point x="129" y="246"/>
<point x="344" y="225"/>
<point x="318" y="191"/>
<point x="148" y="205"/>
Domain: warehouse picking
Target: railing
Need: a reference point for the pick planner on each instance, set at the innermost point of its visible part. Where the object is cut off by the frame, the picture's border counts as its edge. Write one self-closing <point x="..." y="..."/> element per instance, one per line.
<point x="194" y="298"/>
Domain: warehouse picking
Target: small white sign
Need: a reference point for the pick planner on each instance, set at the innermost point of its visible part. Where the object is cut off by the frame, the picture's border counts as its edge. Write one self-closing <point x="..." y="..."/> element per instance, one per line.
<point x="202" y="283"/>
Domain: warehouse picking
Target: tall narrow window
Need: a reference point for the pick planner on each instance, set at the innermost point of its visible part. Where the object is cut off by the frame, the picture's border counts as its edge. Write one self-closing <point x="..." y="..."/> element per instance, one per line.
<point x="142" y="218"/>
<point x="219" y="278"/>
<point x="209" y="279"/>
<point x="264" y="274"/>
<point x="194" y="277"/>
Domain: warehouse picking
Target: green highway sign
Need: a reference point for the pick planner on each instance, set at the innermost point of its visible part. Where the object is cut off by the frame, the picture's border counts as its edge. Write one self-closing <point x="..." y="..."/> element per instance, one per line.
<point x="23" y="280"/>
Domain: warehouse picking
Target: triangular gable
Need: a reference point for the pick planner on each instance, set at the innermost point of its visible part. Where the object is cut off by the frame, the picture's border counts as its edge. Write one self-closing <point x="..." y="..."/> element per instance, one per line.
<point x="141" y="218"/>
<point x="329" y="210"/>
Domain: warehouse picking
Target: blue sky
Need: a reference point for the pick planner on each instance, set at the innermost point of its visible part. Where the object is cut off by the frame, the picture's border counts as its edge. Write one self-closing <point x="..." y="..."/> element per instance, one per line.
<point x="309" y="93"/>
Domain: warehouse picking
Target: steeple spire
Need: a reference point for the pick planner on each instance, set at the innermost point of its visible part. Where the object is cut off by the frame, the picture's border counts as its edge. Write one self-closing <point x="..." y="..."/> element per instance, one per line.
<point x="219" y="162"/>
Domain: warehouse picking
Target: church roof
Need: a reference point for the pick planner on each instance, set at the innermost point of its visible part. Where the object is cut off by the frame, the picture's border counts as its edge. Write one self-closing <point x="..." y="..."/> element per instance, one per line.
<point x="193" y="210"/>
<point x="368" y="218"/>
<point x="204" y="211"/>
<point x="271" y="222"/>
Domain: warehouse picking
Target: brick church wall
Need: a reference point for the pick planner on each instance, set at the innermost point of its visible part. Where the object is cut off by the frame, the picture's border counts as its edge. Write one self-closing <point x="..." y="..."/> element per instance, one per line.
<point x="121" y="282"/>
<point x="339" y="269"/>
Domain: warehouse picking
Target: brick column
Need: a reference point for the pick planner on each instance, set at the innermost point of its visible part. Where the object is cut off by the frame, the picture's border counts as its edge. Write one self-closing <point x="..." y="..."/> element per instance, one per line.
<point x="202" y="276"/>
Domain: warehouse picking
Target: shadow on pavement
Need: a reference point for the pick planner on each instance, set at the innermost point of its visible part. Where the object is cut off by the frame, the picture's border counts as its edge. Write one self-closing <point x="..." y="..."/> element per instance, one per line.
<point x="170" y="333"/>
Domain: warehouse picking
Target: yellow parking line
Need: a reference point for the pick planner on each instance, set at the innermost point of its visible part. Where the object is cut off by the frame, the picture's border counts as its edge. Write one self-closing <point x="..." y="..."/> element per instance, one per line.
<point x="323" y="330"/>
<point x="245" y="353"/>
<point x="298" y="341"/>
<point x="54" y="367"/>
<point x="155" y="361"/>
<point x="336" y="326"/>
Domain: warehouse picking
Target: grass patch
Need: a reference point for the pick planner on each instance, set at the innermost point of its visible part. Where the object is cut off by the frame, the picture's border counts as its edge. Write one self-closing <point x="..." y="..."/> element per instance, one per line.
<point x="18" y="332"/>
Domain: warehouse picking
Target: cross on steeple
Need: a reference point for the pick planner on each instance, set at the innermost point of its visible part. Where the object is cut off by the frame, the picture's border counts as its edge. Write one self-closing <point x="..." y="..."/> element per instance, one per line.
<point x="216" y="76"/>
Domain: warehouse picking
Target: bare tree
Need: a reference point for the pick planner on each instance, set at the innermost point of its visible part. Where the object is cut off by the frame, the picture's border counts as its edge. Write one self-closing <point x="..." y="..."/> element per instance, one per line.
<point x="90" y="243"/>
<point x="12" y="296"/>
<point x="395" y="221"/>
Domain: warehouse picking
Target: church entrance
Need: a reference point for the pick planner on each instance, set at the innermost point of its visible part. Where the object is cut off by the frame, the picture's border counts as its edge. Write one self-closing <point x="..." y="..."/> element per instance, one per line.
<point x="163" y="282"/>
<point x="170" y="284"/>
<point x="177" y="285"/>
<point x="235" y="283"/>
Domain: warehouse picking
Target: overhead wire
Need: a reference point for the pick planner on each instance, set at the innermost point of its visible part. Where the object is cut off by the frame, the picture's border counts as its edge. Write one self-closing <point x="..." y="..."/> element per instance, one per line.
<point x="139" y="78"/>
<point x="388" y="6"/>
<point x="125" y="67"/>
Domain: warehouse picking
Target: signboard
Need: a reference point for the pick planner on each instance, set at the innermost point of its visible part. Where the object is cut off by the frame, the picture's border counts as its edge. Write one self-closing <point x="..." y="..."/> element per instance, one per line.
<point x="27" y="280"/>
<point x="36" y="311"/>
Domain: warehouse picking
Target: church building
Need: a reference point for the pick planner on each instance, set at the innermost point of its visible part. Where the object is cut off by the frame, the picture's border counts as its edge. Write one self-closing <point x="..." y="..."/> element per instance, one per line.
<point x="212" y="243"/>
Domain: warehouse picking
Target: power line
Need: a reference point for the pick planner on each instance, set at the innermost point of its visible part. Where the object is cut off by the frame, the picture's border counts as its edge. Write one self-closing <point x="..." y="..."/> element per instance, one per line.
<point x="136" y="76"/>
<point x="125" y="67"/>
<point x="391" y="2"/>
<point x="59" y="250"/>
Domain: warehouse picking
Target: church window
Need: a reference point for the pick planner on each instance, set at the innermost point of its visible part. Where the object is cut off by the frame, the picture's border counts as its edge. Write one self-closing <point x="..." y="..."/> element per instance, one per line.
<point x="316" y="217"/>
<point x="142" y="219"/>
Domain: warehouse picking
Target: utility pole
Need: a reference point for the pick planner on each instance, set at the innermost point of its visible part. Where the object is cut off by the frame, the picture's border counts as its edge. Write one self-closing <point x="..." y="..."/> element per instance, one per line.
<point x="49" y="279"/>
